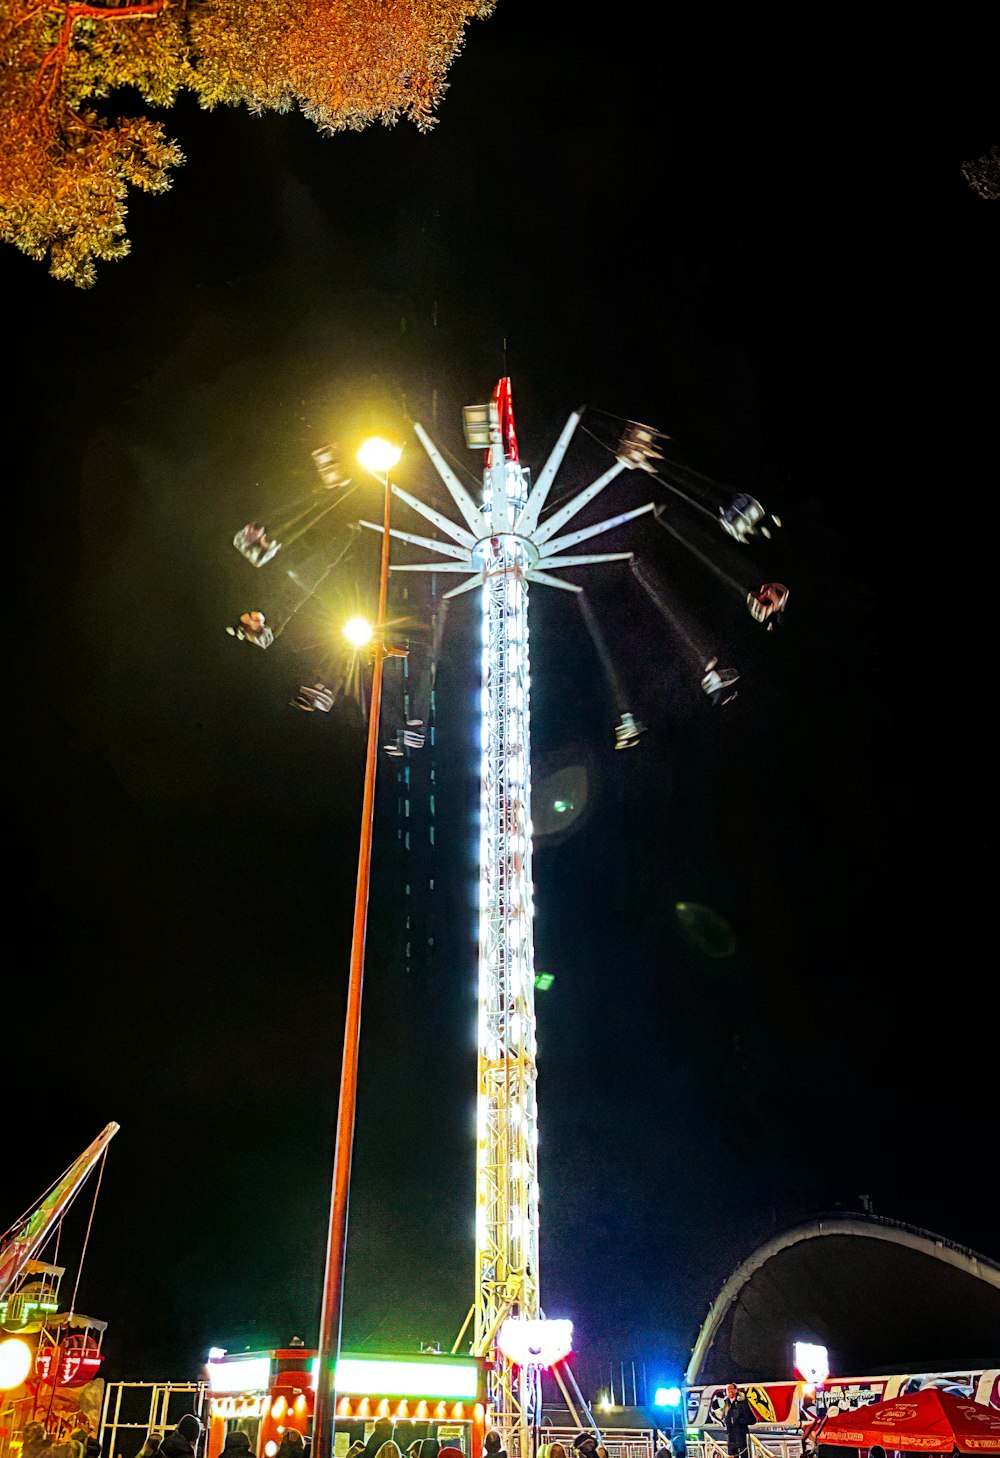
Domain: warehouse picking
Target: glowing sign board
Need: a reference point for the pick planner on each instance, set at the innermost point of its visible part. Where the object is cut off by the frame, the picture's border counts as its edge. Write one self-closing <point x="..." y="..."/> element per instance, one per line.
<point x="246" y="1374"/>
<point x="357" y="1377"/>
<point x="535" y="1343"/>
<point x="396" y="1377"/>
<point x="811" y="1361"/>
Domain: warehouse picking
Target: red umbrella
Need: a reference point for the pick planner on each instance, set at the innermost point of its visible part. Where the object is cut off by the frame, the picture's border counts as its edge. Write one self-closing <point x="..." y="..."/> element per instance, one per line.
<point x="929" y="1421"/>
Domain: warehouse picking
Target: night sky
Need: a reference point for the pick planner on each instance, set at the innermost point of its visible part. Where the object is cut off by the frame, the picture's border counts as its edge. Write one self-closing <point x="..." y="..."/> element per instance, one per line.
<point x="757" y="239"/>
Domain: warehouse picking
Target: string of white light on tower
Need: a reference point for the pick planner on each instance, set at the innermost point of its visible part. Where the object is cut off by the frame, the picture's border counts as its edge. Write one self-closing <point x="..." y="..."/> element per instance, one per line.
<point x="501" y="548"/>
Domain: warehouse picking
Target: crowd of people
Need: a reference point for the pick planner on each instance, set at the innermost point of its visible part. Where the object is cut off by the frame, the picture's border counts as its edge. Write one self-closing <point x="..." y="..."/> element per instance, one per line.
<point x="77" y="1442"/>
<point x="183" y="1440"/>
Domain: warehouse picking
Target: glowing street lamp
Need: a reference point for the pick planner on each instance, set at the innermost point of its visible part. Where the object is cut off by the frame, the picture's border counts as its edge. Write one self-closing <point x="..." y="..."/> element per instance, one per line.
<point x="16" y="1358"/>
<point x="358" y="632"/>
<point x="378" y="456"/>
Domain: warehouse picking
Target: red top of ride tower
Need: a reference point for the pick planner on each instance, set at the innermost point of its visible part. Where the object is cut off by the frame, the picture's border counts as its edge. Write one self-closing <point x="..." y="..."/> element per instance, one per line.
<point x="505" y="410"/>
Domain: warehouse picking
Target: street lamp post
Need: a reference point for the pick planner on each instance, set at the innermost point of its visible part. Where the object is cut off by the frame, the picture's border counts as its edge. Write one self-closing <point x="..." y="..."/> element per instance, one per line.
<point x="379" y="457"/>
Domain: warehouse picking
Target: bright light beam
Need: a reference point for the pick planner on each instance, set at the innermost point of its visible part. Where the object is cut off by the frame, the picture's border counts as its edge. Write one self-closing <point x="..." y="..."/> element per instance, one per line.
<point x="358" y="632"/>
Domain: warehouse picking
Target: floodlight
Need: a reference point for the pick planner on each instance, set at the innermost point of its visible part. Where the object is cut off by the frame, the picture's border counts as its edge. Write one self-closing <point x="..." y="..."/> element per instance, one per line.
<point x="378" y="455"/>
<point x="15" y="1363"/>
<point x="358" y="632"/>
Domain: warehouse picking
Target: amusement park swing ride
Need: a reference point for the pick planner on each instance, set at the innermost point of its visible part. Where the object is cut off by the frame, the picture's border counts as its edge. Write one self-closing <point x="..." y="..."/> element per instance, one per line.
<point x="501" y="545"/>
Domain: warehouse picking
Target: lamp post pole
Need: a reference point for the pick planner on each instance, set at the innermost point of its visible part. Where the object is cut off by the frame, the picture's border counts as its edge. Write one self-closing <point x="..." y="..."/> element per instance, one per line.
<point x="324" y="1416"/>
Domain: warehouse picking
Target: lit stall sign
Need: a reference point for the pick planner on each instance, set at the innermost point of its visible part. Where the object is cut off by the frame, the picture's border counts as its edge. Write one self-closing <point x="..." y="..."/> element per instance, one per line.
<point x="386" y="1376"/>
<point x="535" y="1343"/>
<point x="239" y="1374"/>
<point x="239" y="1407"/>
<point x="811" y="1362"/>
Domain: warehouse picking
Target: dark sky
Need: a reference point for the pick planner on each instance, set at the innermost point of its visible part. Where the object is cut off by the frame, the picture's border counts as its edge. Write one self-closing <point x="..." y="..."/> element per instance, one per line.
<point x="757" y="239"/>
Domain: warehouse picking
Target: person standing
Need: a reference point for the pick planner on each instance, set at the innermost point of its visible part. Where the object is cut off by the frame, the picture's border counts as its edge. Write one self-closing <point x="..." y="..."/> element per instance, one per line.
<point x="291" y="1445"/>
<point x="35" y="1441"/>
<point x="183" y="1441"/>
<point x="238" y="1445"/>
<point x="380" y="1434"/>
<point x="738" y="1417"/>
<point x="82" y="1435"/>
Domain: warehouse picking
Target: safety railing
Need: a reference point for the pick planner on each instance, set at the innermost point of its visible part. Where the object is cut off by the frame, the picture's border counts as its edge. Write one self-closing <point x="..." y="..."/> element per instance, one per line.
<point x="768" y="1445"/>
<point x="131" y="1410"/>
<point x="619" y="1442"/>
<point x="775" y="1445"/>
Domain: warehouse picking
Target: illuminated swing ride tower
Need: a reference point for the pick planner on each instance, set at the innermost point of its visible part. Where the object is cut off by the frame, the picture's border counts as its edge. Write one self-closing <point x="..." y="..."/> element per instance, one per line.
<point x="501" y="548"/>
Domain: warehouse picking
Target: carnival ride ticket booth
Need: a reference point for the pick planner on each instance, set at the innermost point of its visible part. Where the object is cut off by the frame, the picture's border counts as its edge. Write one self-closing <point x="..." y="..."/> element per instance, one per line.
<point x="265" y="1393"/>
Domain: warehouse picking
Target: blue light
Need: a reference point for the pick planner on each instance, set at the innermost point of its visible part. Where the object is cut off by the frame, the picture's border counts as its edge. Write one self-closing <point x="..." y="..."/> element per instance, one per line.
<point x="667" y="1397"/>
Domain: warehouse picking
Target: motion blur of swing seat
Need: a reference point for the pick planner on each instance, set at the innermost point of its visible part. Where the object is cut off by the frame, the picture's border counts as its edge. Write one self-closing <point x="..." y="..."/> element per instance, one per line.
<point x="327" y="461"/>
<point x="742" y="518"/>
<point x="310" y="699"/>
<point x="412" y="737"/>
<point x="253" y="543"/>
<point x="627" y="732"/>
<point x="767" y="602"/>
<point x="637" y="448"/>
<point x="252" y="628"/>
<point x="717" y="682"/>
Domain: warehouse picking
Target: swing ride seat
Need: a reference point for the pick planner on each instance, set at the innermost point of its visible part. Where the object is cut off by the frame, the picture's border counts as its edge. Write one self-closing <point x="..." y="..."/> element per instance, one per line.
<point x="769" y="599"/>
<point x="311" y="698"/>
<point x="327" y="462"/>
<point x="412" y="737"/>
<point x="253" y="543"/>
<point x="261" y="637"/>
<point x="718" y="681"/>
<point x="252" y="628"/>
<point x="637" y="447"/>
<point x="741" y="517"/>
<point x="627" y="731"/>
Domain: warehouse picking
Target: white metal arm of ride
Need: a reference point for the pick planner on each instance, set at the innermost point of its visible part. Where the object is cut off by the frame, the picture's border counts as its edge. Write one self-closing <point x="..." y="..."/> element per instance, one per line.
<point x="461" y="554"/>
<point x="473" y="516"/>
<point x="429" y="567"/>
<point x="571" y="538"/>
<point x="586" y="559"/>
<point x="475" y="581"/>
<point x="458" y="534"/>
<point x="547" y="581"/>
<point x="563" y="515"/>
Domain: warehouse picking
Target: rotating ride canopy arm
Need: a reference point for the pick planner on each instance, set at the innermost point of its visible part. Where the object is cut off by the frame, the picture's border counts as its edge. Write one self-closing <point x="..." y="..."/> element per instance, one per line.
<point x="29" y="1233"/>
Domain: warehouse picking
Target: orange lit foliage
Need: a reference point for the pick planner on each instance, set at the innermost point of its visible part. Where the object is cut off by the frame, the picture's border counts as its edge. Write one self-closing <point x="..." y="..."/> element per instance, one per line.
<point x="66" y="166"/>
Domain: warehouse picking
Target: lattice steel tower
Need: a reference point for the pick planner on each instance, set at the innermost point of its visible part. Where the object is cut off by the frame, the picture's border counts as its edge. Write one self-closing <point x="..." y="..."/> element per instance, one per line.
<point x="502" y="548"/>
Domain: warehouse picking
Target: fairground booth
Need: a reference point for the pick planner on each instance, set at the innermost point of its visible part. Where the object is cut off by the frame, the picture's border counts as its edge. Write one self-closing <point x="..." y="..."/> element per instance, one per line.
<point x="265" y="1393"/>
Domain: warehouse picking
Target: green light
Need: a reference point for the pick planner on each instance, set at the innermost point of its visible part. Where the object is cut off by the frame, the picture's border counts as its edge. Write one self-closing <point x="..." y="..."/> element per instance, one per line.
<point x="381" y="1377"/>
<point x="544" y="981"/>
<point x="561" y="806"/>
